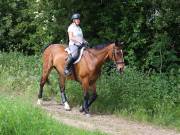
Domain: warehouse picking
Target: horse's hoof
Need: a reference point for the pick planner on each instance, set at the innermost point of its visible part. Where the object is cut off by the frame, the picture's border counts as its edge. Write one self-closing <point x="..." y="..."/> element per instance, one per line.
<point x="87" y="115"/>
<point x="66" y="106"/>
<point x="81" y="109"/>
<point x="86" y="112"/>
<point x="39" y="102"/>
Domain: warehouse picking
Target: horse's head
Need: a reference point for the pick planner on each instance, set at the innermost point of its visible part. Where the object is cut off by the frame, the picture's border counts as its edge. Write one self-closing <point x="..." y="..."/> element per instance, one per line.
<point x="116" y="55"/>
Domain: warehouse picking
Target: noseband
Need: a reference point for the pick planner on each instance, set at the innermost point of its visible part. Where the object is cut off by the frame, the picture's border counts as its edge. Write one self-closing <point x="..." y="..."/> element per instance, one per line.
<point x="114" y="57"/>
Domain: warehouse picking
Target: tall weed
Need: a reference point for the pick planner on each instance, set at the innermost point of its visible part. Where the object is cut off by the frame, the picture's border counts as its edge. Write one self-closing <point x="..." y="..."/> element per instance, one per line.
<point x="147" y="97"/>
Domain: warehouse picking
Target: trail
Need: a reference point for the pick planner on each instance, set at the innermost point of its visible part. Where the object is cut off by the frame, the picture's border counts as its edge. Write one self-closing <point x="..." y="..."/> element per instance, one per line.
<point x="109" y="124"/>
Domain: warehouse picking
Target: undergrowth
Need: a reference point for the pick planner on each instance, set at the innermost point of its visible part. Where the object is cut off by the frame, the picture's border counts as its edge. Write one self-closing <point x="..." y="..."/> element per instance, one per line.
<point x="141" y="96"/>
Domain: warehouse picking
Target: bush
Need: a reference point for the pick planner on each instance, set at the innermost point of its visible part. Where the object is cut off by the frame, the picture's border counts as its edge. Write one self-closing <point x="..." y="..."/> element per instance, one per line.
<point x="150" y="97"/>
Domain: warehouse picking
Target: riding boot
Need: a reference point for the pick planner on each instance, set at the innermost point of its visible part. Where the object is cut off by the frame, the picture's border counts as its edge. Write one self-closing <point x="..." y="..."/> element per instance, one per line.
<point x="68" y="66"/>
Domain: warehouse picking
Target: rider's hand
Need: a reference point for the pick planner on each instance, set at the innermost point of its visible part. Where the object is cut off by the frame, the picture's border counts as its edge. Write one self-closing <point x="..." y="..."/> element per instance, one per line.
<point x="85" y="42"/>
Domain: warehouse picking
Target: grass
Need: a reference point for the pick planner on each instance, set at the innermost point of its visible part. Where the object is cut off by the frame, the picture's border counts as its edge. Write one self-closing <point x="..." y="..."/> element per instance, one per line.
<point x="19" y="117"/>
<point x="145" y="97"/>
<point x="19" y="78"/>
<point x="154" y="98"/>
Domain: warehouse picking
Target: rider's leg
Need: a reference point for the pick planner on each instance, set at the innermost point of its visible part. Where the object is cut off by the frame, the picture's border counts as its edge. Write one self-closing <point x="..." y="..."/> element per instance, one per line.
<point x="71" y="58"/>
<point x="68" y="65"/>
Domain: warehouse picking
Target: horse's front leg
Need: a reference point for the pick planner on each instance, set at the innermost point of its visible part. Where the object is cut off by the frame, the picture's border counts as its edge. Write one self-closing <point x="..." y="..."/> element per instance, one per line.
<point x="92" y="98"/>
<point x="85" y="85"/>
<point x="85" y="103"/>
<point x="63" y="93"/>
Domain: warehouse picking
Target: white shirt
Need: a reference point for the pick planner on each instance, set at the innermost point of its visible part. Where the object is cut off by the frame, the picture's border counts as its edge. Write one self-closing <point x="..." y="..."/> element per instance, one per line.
<point x="77" y="32"/>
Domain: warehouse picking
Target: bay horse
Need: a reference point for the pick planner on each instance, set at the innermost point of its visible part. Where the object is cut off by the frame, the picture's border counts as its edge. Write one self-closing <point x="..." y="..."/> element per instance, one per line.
<point x="86" y="71"/>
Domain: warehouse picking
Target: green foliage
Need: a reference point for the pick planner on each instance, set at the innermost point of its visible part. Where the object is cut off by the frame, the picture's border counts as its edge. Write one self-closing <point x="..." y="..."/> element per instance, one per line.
<point x="20" y="27"/>
<point x="148" y="97"/>
<point x="154" y="98"/>
<point x="19" y="117"/>
<point x="150" y="28"/>
<point x="15" y="69"/>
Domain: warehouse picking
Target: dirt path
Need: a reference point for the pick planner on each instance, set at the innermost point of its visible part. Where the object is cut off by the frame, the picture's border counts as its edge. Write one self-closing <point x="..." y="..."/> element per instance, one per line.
<point x="105" y="123"/>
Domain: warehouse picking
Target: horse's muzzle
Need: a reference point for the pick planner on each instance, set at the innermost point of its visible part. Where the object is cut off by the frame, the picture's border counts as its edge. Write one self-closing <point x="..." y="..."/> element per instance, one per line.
<point x="121" y="70"/>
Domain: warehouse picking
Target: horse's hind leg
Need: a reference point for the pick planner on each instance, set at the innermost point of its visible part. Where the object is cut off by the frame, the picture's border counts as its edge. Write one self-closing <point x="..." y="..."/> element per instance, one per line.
<point x="47" y="66"/>
<point x="63" y="94"/>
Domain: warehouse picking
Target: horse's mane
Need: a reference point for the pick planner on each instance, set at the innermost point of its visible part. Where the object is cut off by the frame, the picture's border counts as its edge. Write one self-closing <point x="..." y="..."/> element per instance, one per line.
<point x="101" y="46"/>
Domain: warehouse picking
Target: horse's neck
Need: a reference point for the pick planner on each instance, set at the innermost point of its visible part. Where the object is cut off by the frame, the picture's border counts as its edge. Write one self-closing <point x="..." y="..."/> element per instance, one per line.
<point x="101" y="55"/>
<point x="94" y="59"/>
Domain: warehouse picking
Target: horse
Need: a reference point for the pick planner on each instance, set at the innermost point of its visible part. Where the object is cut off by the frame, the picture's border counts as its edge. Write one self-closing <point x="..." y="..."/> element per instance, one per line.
<point x="86" y="71"/>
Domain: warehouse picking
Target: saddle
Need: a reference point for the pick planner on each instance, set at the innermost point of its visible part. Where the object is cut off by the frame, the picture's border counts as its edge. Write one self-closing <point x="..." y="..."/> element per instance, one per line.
<point x="80" y="55"/>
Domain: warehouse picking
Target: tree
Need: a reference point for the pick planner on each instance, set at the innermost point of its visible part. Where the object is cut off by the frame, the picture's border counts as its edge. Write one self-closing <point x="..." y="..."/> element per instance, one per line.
<point x="149" y="28"/>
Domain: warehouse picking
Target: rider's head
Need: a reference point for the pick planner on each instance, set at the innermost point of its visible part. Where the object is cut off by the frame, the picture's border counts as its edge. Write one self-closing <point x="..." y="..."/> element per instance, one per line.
<point x="76" y="18"/>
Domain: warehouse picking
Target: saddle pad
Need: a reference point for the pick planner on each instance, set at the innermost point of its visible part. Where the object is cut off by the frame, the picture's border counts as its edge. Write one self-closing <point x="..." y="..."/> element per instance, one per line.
<point x="80" y="55"/>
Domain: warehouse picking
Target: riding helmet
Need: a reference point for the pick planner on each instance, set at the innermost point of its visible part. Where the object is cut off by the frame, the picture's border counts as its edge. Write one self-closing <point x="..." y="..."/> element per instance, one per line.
<point x="75" y="16"/>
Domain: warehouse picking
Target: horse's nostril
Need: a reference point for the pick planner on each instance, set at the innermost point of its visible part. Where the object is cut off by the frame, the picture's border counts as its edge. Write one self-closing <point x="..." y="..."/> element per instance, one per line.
<point x="121" y="70"/>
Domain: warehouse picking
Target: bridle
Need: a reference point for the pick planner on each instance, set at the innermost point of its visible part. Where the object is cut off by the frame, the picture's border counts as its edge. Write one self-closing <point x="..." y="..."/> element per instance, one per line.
<point x="114" y="57"/>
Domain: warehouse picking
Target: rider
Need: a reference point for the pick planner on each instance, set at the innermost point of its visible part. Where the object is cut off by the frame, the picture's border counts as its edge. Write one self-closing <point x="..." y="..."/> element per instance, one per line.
<point x="76" y="41"/>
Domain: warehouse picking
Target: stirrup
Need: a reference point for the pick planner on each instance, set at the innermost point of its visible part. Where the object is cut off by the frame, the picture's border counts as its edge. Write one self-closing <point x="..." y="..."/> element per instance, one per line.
<point x="67" y="72"/>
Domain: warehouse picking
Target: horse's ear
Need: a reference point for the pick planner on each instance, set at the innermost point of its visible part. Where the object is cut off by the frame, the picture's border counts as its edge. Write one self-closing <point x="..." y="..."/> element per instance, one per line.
<point x="119" y="43"/>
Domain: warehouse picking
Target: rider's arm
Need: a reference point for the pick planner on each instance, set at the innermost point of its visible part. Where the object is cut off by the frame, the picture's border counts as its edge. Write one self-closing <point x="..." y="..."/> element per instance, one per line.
<point x="74" y="39"/>
<point x="85" y="42"/>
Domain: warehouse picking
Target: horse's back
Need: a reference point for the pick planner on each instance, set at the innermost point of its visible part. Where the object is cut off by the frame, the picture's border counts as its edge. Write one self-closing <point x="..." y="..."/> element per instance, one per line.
<point x="54" y="48"/>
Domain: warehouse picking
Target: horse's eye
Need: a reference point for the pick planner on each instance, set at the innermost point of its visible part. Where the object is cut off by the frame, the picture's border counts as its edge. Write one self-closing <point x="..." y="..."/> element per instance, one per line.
<point x="118" y="52"/>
